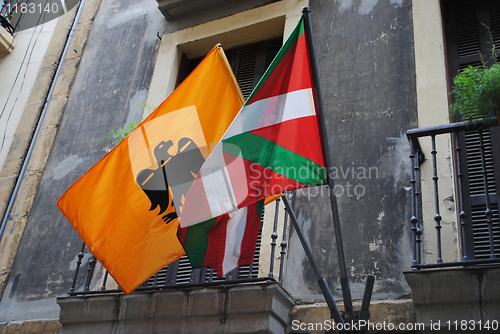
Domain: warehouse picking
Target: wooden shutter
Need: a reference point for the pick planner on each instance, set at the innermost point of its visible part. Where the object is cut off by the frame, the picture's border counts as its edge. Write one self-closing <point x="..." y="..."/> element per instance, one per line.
<point x="468" y="44"/>
<point x="474" y="191"/>
<point x="249" y="64"/>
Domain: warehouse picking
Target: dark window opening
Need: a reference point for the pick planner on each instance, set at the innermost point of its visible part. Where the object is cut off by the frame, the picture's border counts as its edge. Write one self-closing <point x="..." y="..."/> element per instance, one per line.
<point x="468" y="44"/>
<point x="248" y="64"/>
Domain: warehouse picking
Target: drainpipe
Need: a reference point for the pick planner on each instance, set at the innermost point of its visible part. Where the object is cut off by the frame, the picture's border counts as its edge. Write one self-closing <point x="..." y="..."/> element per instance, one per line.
<point x="40" y="121"/>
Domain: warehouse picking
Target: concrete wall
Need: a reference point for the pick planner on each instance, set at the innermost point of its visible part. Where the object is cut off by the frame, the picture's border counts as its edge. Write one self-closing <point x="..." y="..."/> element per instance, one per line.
<point x="367" y="72"/>
<point x="24" y="132"/>
<point x="111" y="83"/>
<point x="433" y="98"/>
<point x="19" y="68"/>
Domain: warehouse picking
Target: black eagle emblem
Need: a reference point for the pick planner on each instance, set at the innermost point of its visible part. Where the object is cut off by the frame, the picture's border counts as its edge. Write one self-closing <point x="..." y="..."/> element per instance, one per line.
<point x="167" y="185"/>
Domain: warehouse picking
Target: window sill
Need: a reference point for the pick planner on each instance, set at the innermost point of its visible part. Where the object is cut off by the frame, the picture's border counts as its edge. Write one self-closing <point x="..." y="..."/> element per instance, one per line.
<point x="7" y="42"/>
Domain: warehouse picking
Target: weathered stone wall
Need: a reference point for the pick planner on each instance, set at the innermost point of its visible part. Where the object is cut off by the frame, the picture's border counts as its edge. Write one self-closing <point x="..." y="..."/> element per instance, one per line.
<point x="28" y="327"/>
<point x="366" y="63"/>
<point x="30" y="118"/>
<point x="97" y="91"/>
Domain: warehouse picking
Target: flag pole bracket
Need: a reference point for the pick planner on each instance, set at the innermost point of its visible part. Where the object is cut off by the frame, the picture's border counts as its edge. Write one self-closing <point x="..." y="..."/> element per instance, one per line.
<point x="344" y="281"/>
<point x="327" y="293"/>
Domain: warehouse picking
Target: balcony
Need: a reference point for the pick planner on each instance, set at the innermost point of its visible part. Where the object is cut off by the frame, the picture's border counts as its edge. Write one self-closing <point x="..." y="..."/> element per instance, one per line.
<point x="7" y="42"/>
<point x="455" y="222"/>
<point x="179" y="299"/>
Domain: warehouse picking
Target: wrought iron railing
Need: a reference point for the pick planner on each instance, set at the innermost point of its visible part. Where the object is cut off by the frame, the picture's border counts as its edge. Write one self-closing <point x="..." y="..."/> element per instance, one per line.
<point x="473" y="154"/>
<point x="6" y="14"/>
<point x="180" y="274"/>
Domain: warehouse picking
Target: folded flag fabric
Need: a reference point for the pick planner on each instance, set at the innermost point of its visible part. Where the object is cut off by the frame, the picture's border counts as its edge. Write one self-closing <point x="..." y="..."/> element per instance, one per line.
<point x="125" y="207"/>
<point x="225" y="242"/>
<point x="272" y="146"/>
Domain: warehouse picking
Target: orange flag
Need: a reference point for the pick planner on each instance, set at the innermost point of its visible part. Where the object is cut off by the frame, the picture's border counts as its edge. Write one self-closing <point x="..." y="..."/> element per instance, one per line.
<point x="124" y="207"/>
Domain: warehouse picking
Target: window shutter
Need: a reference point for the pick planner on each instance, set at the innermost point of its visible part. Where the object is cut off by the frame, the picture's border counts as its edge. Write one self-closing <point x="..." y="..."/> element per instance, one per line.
<point x="474" y="191"/>
<point x="249" y="64"/>
<point x="468" y="45"/>
<point x="494" y="7"/>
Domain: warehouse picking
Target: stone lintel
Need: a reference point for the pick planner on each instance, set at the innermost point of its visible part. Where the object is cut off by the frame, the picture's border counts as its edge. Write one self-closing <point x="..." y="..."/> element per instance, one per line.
<point x="173" y="9"/>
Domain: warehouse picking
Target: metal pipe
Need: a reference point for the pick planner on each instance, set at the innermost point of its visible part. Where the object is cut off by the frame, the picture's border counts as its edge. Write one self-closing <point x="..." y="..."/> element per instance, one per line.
<point x="346" y="291"/>
<point x="367" y="296"/>
<point x="40" y="121"/>
<point x="307" y="249"/>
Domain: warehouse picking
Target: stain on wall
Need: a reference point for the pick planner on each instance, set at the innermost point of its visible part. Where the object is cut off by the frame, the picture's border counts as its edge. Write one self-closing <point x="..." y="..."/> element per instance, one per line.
<point x="367" y="73"/>
<point x="112" y="82"/>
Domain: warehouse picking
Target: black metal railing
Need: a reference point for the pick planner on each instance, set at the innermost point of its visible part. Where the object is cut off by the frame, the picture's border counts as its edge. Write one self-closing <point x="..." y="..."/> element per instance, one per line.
<point x="474" y="164"/>
<point x="179" y="273"/>
<point x="6" y="15"/>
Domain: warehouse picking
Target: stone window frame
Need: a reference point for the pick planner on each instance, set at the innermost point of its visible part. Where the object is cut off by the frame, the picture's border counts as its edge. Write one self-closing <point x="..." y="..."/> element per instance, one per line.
<point x="244" y="28"/>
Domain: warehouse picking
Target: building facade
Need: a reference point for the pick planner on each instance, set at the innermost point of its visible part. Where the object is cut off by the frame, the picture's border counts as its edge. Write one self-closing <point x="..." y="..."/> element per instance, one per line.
<point x="386" y="67"/>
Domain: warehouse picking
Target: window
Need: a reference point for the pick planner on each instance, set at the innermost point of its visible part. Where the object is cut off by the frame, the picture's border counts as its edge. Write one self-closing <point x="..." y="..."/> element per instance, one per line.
<point x="249" y="64"/>
<point x="468" y="43"/>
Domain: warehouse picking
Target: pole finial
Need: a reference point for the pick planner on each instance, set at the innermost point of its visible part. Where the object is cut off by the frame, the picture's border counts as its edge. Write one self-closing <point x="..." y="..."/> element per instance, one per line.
<point x="305" y="10"/>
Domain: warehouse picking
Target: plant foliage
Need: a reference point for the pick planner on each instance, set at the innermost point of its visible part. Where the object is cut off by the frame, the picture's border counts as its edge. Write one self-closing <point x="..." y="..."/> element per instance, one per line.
<point x="477" y="90"/>
<point x="118" y="135"/>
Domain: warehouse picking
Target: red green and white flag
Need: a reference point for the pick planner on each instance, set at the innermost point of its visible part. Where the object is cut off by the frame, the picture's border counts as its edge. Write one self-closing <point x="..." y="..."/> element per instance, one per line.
<point x="272" y="146"/>
<point x="225" y="242"/>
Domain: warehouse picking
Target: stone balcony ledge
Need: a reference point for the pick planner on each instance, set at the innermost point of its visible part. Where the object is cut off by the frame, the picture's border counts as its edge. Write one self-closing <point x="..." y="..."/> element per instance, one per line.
<point x="455" y="294"/>
<point x="241" y="308"/>
<point x="7" y="42"/>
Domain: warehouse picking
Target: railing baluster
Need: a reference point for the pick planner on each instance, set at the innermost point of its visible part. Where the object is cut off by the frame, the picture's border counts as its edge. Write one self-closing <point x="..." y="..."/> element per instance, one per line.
<point x="175" y="268"/>
<point x="90" y="273"/>
<point x="283" y="246"/>
<point x="418" y="203"/>
<point x="437" y="216"/>
<point x="250" y="270"/>
<point x="104" y="280"/>
<point x="78" y="264"/>
<point x="210" y="275"/>
<point x="155" y="281"/>
<point x="274" y="236"/>
<point x="413" y="219"/>
<point x="256" y="256"/>
<point x="462" y="214"/>
<point x="488" y="213"/>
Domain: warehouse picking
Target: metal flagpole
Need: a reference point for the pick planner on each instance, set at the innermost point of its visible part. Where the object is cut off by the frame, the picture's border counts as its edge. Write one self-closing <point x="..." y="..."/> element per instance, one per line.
<point x="346" y="291"/>
<point x="321" y="281"/>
